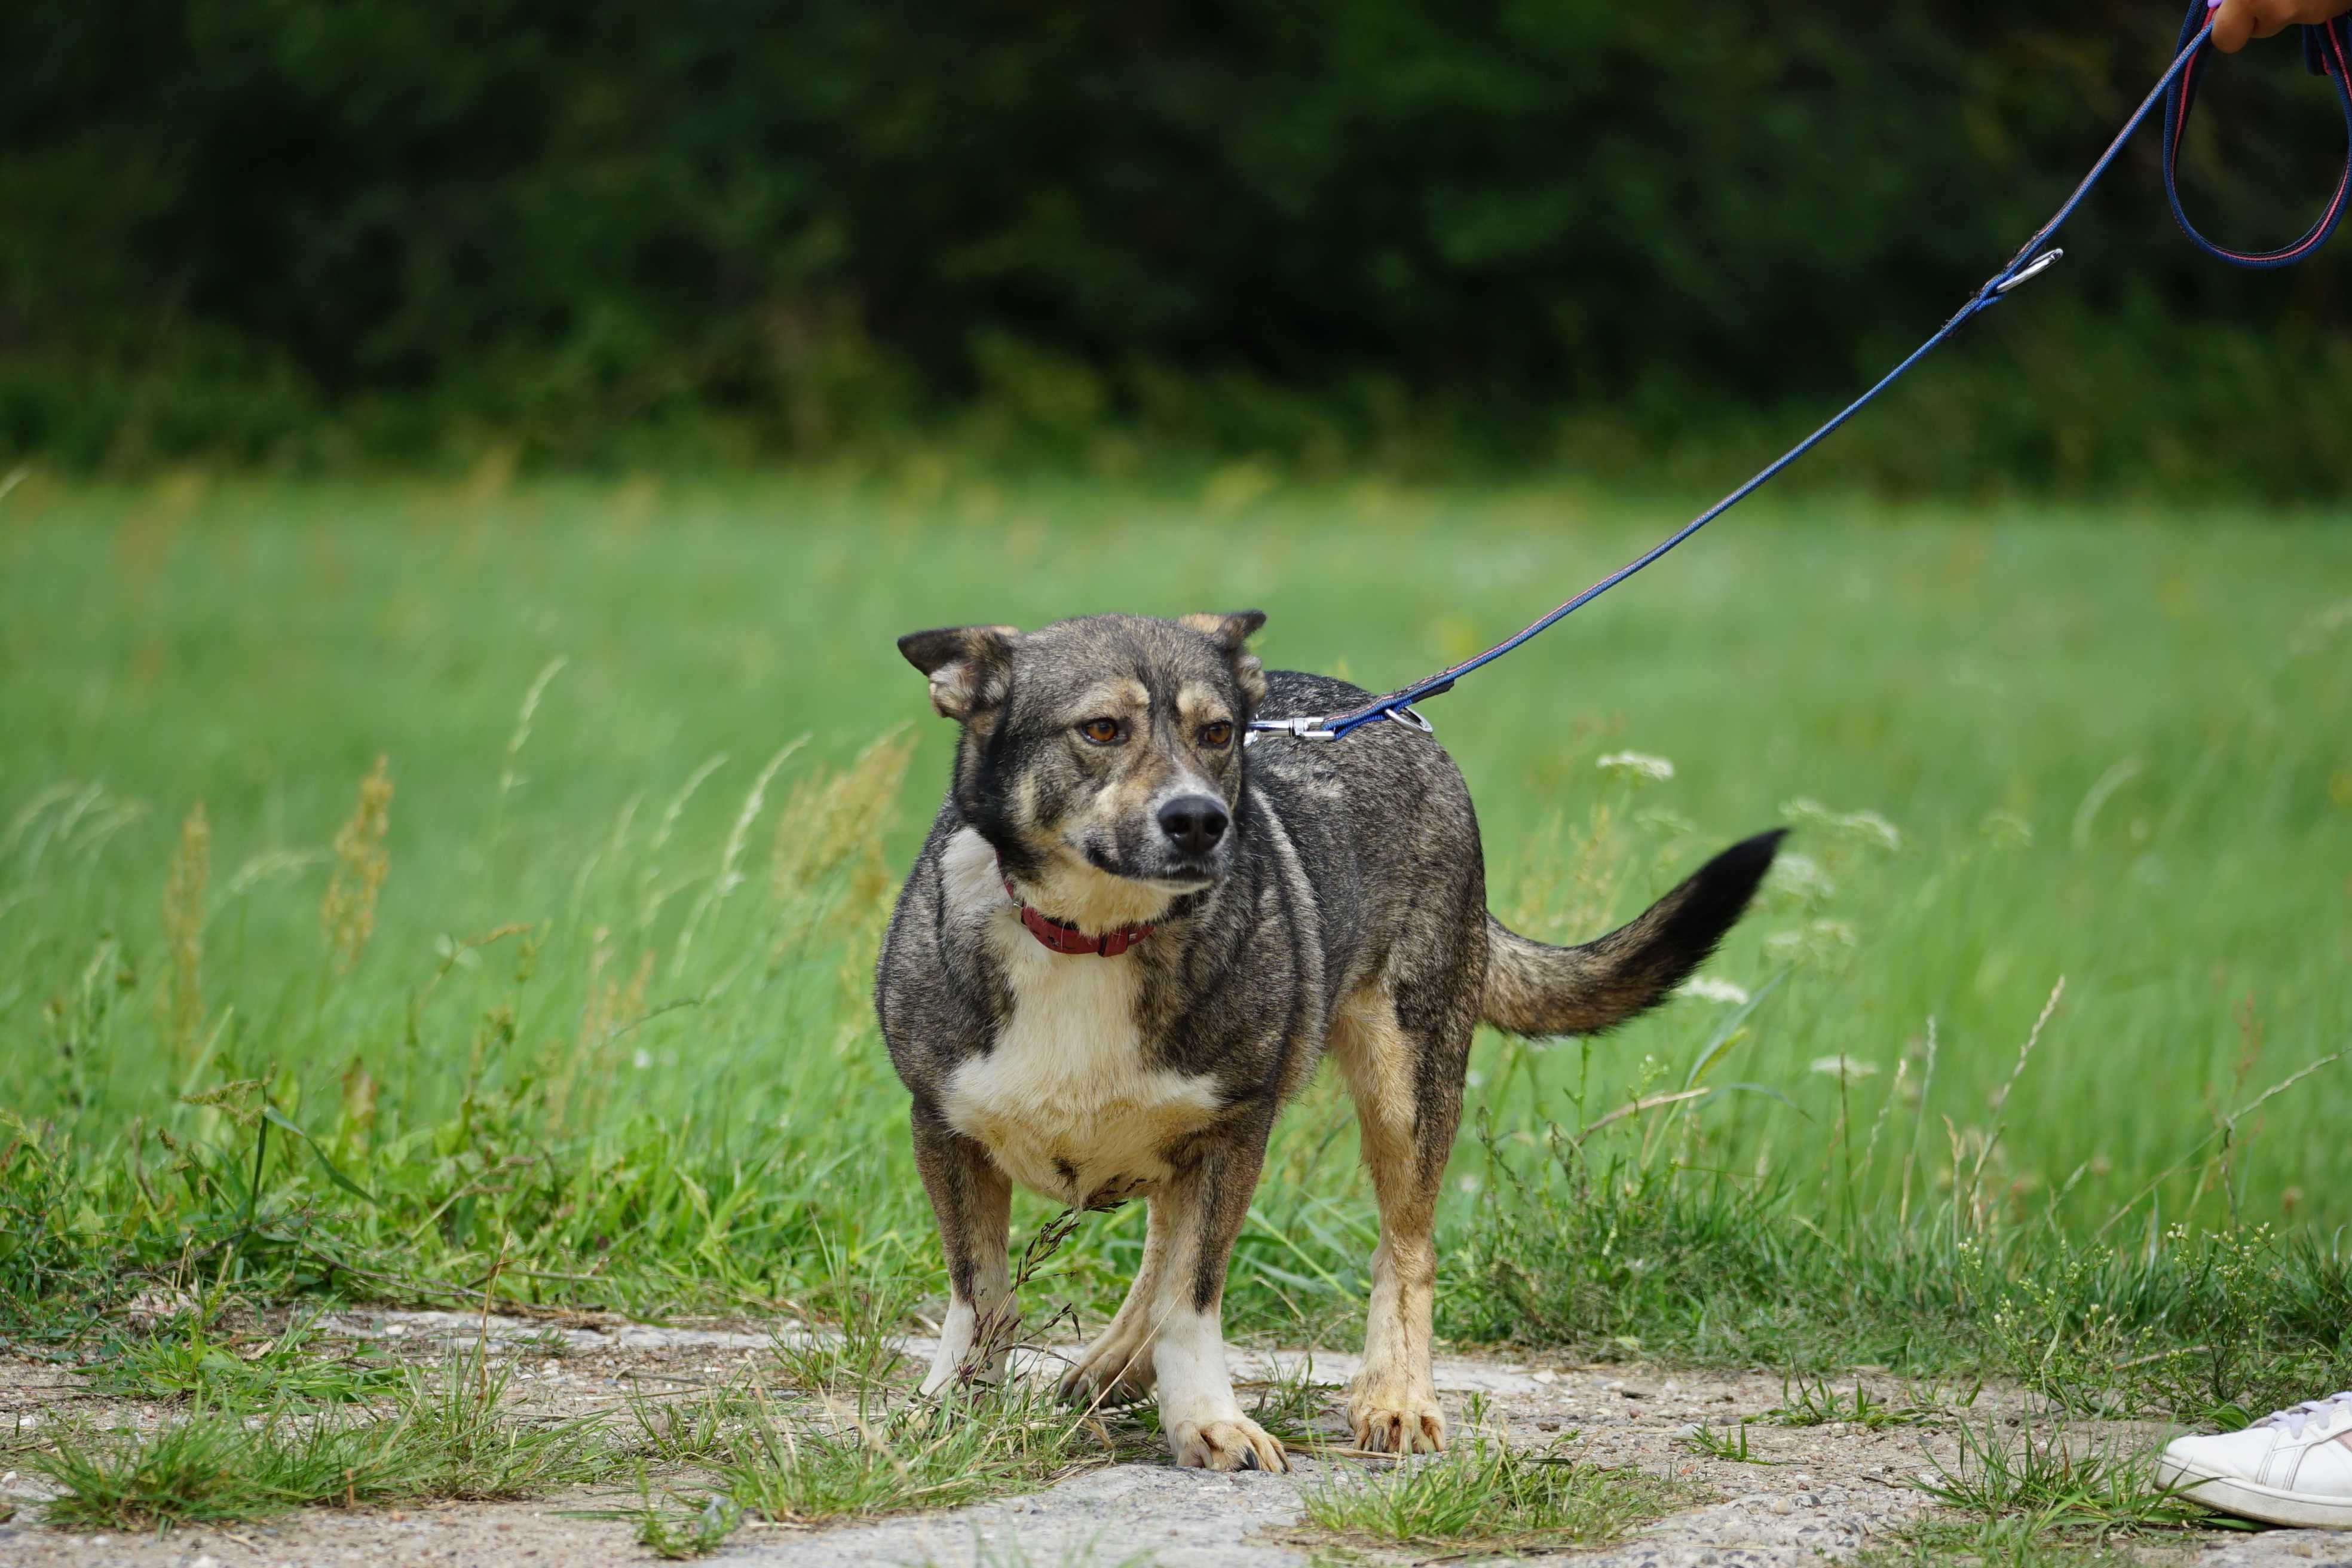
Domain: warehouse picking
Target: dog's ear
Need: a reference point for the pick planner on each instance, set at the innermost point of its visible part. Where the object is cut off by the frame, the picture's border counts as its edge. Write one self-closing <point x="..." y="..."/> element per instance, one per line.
<point x="1229" y="633"/>
<point x="969" y="666"/>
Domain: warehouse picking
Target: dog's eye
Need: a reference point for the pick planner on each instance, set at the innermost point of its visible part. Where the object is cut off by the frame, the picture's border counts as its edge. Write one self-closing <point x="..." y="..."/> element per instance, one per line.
<point x="1101" y="732"/>
<point x="1217" y="734"/>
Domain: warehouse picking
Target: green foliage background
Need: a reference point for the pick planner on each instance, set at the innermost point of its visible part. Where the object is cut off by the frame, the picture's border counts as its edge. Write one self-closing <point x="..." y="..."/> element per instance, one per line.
<point x="1333" y="231"/>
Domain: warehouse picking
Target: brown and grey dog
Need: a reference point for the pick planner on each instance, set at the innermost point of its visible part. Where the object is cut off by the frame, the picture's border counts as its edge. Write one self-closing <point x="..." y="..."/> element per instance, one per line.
<point x="1128" y="941"/>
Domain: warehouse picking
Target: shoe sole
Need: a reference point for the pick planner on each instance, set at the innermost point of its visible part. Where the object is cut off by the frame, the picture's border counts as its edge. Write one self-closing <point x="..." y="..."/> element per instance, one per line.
<point x="2250" y="1500"/>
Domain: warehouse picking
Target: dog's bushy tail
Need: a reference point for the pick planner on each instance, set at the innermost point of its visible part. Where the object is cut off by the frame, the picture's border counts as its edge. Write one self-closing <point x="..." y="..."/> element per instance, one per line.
<point x="1534" y="988"/>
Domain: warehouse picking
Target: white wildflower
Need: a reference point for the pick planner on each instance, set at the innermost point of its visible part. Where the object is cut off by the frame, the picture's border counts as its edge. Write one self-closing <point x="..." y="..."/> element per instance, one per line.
<point x="1802" y="877"/>
<point x="1815" y="939"/>
<point x="2319" y="629"/>
<point x="1636" y="766"/>
<point x="2006" y="830"/>
<point x="642" y="1060"/>
<point x="1871" y="828"/>
<point x="1708" y="989"/>
<point x="1863" y="827"/>
<point x="1843" y="1065"/>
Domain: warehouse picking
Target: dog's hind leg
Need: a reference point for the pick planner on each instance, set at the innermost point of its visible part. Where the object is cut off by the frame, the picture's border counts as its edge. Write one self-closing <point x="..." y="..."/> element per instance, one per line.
<point x="1116" y="1367"/>
<point x="1406" y="1081"/>
<point x="972" y="1202"/>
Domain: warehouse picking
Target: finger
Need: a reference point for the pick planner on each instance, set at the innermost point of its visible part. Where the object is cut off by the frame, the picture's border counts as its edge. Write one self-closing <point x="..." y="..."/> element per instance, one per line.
<point x="2272" y="17"/>
<point x="2234" y="24"/>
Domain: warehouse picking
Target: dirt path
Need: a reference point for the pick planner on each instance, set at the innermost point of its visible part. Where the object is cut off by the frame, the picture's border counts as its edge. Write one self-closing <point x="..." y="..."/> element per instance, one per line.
<point x="1827" y="1490"/>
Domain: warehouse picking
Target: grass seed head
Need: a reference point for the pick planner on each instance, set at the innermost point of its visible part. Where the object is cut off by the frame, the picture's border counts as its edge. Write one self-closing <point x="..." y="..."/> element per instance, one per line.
<point x="183" y="926"/>
<point x="362" y="862"/>
<point x="835" y="818"/>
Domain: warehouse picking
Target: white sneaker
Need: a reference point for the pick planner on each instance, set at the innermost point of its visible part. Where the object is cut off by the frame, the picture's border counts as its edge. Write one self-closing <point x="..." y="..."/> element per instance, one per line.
<point x="2292" y="1466"/>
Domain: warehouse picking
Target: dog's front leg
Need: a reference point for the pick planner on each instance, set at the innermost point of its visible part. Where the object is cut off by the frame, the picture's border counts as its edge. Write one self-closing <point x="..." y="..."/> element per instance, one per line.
<point x="1206" y="1201"/>
<point x="1116" y="1367"/>
<point x="974" y="1204"/>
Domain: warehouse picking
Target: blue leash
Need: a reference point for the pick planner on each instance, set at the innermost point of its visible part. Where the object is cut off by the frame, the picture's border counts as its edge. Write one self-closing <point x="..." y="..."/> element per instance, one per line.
<point x="2327" y="49"/>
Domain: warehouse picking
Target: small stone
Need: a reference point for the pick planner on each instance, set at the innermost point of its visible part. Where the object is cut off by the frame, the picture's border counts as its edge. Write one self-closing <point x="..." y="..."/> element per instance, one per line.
<point x="1782" y="1505"/>
<point x="206" y="1561"/>
<point x="1546" y="1377"/>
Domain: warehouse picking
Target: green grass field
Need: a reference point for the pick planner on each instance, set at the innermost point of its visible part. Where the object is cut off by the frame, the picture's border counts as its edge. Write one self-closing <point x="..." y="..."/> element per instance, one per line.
<point x="585" y="999"/>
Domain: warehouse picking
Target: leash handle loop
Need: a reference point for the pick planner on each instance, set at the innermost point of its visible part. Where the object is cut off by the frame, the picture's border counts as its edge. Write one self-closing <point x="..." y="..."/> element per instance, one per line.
<point x="2326" y="51"/>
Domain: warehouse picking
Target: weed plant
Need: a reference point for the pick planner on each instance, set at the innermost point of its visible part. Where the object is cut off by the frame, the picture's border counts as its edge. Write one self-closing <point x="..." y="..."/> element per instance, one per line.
<point x="843" y="1463"/>
<point x="446" y="1436"/>
<point x="1482" y="1493"/>
<point x="852" y="1449"/>
<point x="1728" y="1444"/>
<point x="196" y="1363"/>
<point x="1814" y="1403"/>
<point x="2055" y="1480"/>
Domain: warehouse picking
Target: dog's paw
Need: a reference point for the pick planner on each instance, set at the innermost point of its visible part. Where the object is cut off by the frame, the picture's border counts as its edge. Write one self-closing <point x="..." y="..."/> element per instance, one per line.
<point x="1227" y="1443"/>
<point x="1391" y="1421"/>
<point x="1109" y="1373"/>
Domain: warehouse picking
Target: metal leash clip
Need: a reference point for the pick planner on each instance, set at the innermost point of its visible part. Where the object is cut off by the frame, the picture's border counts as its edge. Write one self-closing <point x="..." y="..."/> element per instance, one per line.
<point x="1311" y="727"/>
<point x="2032" y="269"/>
<point x="1306" y="727"/>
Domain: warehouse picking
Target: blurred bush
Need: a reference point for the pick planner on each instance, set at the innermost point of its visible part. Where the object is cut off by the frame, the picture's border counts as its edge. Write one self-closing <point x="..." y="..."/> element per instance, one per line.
<point x="1333" y="230"/>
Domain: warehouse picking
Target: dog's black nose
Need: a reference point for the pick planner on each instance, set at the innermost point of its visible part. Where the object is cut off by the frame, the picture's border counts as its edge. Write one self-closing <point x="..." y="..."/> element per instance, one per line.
<point x="1195" y="823"/>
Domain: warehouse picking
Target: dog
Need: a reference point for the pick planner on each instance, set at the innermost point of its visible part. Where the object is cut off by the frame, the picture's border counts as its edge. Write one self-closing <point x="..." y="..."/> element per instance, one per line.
<point x="1126" y="942"/>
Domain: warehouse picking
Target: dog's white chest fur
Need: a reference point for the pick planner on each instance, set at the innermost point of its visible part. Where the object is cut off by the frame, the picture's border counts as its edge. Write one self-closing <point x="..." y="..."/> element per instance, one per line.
<point x="1067" y="1103"/>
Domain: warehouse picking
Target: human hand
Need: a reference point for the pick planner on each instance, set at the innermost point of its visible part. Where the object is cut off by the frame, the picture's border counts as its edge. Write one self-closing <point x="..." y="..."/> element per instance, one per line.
<point x="2235" y="21"/>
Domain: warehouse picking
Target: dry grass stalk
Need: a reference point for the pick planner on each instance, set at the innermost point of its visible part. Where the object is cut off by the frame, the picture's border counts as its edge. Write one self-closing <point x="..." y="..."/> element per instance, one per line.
<point x="362" y="862"/>
<point x="610" y="1006"/>
<point x="730" y="858"/>
<point x="359" y="1100"/>
<point x="613" y="1006"/>
<point x="835" y="818"/>
<point x="183" y="926"/>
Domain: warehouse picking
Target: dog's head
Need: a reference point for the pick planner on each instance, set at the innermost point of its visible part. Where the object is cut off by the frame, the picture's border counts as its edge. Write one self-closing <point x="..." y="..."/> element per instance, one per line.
<point x="1109" y="745"/>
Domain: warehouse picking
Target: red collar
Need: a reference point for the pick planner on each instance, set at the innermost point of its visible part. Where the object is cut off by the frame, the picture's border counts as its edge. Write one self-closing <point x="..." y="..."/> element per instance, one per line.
<point x="1063" y="938"/>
